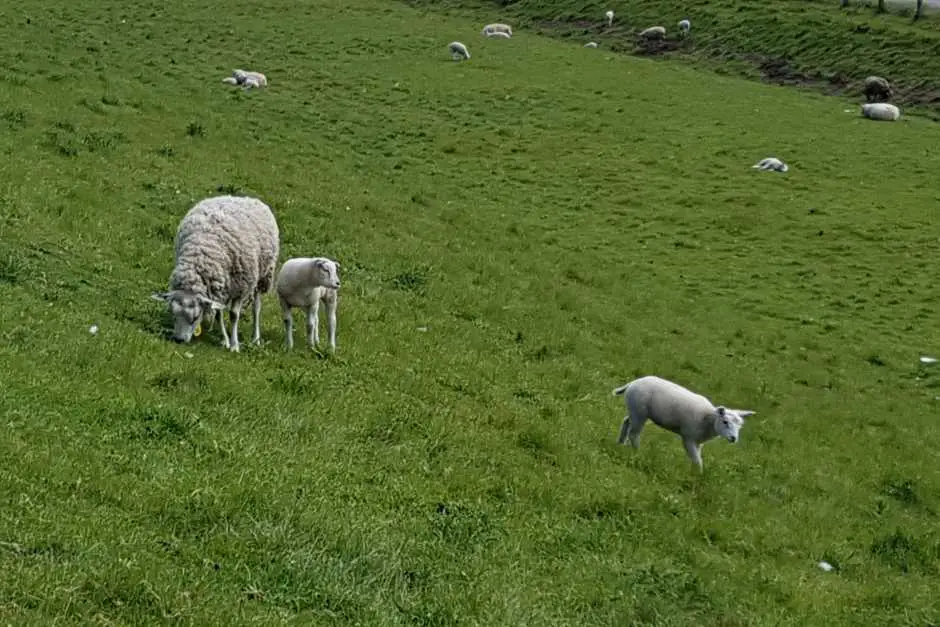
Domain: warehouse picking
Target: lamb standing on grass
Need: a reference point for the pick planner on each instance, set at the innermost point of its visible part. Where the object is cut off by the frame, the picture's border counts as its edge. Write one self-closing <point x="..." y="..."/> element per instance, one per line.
<point x="458" y="51"/>
<point x="654" y="32"/>
<point x="226" y="254"/>
<point x="496" y="28"/>
<point x="684" y="27"/>
<point x="303" y="282"/>
<point x="881" y="111"/>
<point x="876" y="88"/>
<point x="679" y="410"/>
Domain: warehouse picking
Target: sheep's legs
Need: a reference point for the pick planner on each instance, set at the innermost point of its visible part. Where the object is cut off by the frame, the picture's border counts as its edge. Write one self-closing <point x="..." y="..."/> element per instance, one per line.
<point x="256" y="317"/>
<point x="694" y="449"/>
<point x="288" y="325"/>
<point x="235" y="313"/>
<point x="331" y="320"/>
<point x="313" y="324"/>
<point x="631" y="428"/>
<point x="624" y="430"/>
<point x="225" y="339"/>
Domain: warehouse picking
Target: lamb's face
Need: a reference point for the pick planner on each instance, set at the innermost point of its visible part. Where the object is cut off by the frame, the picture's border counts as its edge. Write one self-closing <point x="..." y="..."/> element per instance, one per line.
<point x="327" y="273"/>
<point x="728" y="422"/>
<point x="187" y="310"/>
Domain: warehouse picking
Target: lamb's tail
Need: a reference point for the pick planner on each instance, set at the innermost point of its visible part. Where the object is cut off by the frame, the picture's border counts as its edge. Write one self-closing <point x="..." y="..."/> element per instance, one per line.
<point x="619" y="391"/>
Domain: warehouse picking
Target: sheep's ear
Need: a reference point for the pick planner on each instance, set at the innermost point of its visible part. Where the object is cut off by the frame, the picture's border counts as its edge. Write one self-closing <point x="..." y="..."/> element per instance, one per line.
<point x="211" y="304"/>
<point x="744" y="413"/>
<point x="721" y="410"/>
<point x="161" y="296"/>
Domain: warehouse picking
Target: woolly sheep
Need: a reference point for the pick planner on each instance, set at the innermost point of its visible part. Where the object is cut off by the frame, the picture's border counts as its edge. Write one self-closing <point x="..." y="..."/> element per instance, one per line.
<point x="226" y="251"/>
<point x="610" y="18"/>
<point x="684" y="26"/>
<point x="771" y="163"/>
<point x="654" y="32"/>
<point x="242" y="76"/>
<point x="591" y="44"/>
<point x="677" y="409"/>
<point x="303" y="282"/>
<point x="496" y="28"/>
<point x="499" y="35"/>
<point x="458" y="51"/>
<point x="881" y="111"/>
<point x="876" y="89"/>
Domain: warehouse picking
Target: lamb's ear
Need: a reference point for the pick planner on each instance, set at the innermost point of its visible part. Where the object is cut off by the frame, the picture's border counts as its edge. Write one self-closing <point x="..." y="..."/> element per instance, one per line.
<point x="161" y="296"/>
<point x="744" y="413"/>
<point x="720" y="410"/>
<point x="211" y="304"/>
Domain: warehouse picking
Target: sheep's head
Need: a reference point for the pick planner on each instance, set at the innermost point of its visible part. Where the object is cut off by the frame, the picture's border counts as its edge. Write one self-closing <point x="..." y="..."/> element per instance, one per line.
<point x="728" y="422"/>
<point x="326" y="272"/>
<point x="187" y="310"/>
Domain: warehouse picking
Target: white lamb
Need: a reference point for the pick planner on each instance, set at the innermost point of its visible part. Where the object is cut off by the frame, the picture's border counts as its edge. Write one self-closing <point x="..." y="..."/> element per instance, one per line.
<point x="654" y="32"/>
<point x="496" y="28"/>
<point x="226" y="252"/>
<point x="771" y="163"/>
<point x="303" y="282"/>
<point x="684" y="27"/>
<point x="458" y="51"/>
<point x="610" y="18"/>
<point x="499" y="35"/>
<point x="242" y="77"/>
<point x="881" y="111"/>
<point x="591" y="44"/>
<point x="673" y="407"/>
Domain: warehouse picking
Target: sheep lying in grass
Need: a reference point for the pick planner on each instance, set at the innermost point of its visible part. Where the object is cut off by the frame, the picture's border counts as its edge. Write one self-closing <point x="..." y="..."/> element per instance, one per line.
<point x="246" y="79"/>
<point x="226" y="253"/>
<point x="676" y="409"/>
<point x="684" y="27"/>
<point x="610" y="18"/>
<point x="304" y="282"/>
<point x="771" y="163"/>
<point x="653" y="32"/>
<point x="877" y="89"/>
<point x="496" y="28"/>
<point x="881" y="111"/>
<point x="591" y="44"/>
<point x="458" y="51"/>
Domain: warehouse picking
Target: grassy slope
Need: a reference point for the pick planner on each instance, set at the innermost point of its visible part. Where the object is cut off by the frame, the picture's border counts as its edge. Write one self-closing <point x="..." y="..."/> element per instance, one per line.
<point x="559" y="221"/>
<point x="791" y="41"/>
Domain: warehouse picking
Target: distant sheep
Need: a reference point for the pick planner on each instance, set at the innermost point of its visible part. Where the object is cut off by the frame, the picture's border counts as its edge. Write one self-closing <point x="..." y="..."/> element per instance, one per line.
<point x="881" y="111"/>
<point x="684" y="27"/>
<point x="246" y="79"/>
<point x="499" y="35"/>
<point x="654" y="32"/>
<point x="304" y="282"/>
<point x="610" y="18"/>
<point x="496" y="28"/>
<point x="677" y="409"/>
<point x="458" y="51"/>
<point x="226" y="251"/>
<point x="591" y="44"/>
<point x="771" y="163"/>
<point x="876" y="89"/>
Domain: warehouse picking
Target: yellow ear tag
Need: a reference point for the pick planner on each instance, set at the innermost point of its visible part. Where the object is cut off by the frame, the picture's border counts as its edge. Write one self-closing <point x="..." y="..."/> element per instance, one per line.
<point x="198" y="330"/>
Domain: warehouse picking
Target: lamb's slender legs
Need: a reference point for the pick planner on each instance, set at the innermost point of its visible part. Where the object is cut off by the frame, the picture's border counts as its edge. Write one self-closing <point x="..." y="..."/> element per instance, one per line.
<point x="256" y="311"/>
<point x="235" y="313"/>
<point x="225" y="339"/>
<point x="288" y="325"/>
<point x="631" y="428"/>
<point x="313" y="324"/>
<point x="694" y="449"/>
<point x="331" y="320"/>
<point x="624" y="430"/>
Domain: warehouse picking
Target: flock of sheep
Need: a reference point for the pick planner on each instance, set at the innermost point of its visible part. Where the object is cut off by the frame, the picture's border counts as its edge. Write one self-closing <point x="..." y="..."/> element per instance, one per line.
<point x="226" y="254"/>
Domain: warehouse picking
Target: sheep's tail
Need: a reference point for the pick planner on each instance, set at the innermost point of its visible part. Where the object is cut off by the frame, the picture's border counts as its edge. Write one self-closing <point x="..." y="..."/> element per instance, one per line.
<point x="619" y="391"/>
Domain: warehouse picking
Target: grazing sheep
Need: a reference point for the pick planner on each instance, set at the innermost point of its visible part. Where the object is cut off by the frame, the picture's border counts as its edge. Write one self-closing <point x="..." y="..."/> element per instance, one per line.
<point x="499" y="35"/>
<point x="881" y="111"/>
<point x="226" y="252"/>
<point x="458" y="51"/>
<point x="771" y="163"/>
<point x="303" y="282"/>
<point x="876" y="89"/>
<point x="610" y="18"/>
<point x="654" y="32"/>
<point x="591" y="44"/>
<point x="496" y="28"/>
<point x="684" y="27"/>
<point x="676" y="409"/>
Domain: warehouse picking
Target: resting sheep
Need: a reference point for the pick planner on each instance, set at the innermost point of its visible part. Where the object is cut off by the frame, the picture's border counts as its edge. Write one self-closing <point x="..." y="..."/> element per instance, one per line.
<point x="226" y="250"/>
<point x="653" y="32"/>
<point x="303" y="282"/>
<point x="684" y="27"/>
<point x="458" y="51"/>
<point x="591" y="44"/>
<point x="771" y="163"/>
<point x="676" y="409"/>
<point x="496" y="28"/>
<point x="610" y="18"/>
<point x="881" y="111"/>
<point x="876" y="89"/>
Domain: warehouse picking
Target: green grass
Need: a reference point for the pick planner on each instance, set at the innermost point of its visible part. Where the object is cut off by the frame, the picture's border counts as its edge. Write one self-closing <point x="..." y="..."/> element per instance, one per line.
<point x="560" y="220"/>
<point x="812" y="43"/>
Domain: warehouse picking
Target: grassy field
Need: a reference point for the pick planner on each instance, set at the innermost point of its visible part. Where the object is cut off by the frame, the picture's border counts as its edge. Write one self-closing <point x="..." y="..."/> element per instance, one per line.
<point x="519" y="234"/>
<point x="808" y="43"/>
